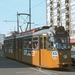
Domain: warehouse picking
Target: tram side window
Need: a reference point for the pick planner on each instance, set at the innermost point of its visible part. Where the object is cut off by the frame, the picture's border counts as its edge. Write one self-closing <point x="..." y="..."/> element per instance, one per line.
<point x="35" y="44"/>
<point x="30" y="42"/>
<point x="5" y="47"/>
<point x="10" y="46"/>
<point x="16" y="43"/>
<point x="27" y="43"/>
<point x="44" y="42"/>
<point x="41" y="43"/>
<point x="50" y="42"/>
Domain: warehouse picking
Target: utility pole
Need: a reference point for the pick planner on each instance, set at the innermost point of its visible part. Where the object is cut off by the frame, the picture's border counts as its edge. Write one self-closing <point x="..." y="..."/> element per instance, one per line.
<point x="17" y="23"/>
<point x="30" y="14"/>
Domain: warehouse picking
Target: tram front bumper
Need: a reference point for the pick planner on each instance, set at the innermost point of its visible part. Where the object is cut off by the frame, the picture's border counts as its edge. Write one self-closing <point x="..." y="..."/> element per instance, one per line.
<point x="65" y="64"/>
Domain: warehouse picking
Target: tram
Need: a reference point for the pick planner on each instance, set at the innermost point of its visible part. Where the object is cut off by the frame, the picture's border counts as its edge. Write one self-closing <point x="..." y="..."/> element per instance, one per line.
<point x="46" y="46"/>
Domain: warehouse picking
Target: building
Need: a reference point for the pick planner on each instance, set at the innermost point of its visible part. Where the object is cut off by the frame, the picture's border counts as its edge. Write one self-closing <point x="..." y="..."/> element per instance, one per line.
<point x="2" y="36"/>
<point x="62" y="12"/>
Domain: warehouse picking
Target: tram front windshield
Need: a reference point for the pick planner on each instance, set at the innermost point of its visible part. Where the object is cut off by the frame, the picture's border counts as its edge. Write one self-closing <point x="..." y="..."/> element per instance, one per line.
<point x="62" y="42"/>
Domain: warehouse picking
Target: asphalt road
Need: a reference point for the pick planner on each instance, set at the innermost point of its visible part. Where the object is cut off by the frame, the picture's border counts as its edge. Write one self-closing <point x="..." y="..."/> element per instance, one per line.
<point x="11" y="67"/>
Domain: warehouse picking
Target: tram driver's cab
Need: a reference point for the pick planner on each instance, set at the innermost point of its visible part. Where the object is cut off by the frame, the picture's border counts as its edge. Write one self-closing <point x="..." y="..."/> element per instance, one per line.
<point x="59" y="42"/>
<point x="62" y="43"/>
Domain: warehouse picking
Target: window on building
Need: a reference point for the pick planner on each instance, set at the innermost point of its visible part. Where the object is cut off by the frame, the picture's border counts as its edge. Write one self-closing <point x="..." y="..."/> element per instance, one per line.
<point x="62" y="0"/>
<point x="73" y="23"/>
<point x="55" y="6"/>
<point x="48" y="1"/>
<point x="64" y="23"/>
<point x="55" y="12"/>
<point x="48" y="10"/>
<point x="72" y="15"/>
<point x="48" y="17"/>
<point x="55" y="20"/>
<point x="48" y="22"/>
<point x="62" y="3"/>
<point x="48" y="4"/>
<point x="73" y="31"/>
<point x="55" y="1"/>
<point x="72" y="1"/>
<point x="63" y="17"/>
<point x="73" y="7"/>
<point x="63" y="11"/>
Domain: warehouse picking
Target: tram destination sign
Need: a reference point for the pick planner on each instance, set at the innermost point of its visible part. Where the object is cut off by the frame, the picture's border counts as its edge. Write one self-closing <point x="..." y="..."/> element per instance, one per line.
<point x="60" y="33"/>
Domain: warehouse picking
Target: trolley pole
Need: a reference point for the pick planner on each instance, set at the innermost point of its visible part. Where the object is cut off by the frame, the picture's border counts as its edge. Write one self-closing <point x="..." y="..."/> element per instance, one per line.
<point x="30" y="14"/>
<point x="17" y="23"/>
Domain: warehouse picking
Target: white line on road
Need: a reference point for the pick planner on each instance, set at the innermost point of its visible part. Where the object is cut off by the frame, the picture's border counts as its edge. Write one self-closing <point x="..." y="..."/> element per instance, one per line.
<point x="48" y="73"/>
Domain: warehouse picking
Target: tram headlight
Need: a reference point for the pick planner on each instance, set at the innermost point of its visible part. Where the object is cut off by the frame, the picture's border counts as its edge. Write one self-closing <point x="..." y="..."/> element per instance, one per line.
<point x="44" y="34"/>
<point x="65" y="56"/>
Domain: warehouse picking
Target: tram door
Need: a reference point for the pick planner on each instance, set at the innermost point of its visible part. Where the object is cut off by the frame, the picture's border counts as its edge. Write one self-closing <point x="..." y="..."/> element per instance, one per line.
<point x="20" y="49"/>
<point x="42" y="50"/>
<point x="16" y="49"/>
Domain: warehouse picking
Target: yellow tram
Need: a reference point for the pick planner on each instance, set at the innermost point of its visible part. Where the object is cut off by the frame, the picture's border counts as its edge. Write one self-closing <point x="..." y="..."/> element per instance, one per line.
<point x="44" y="47"/>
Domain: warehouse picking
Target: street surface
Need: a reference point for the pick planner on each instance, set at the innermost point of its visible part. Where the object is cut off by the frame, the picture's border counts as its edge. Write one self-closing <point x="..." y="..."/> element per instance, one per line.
<point x="11" y="67"/>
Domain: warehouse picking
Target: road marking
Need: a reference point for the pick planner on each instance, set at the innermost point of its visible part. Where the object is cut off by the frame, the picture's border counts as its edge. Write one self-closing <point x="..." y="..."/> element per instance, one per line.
<point x="40" y="71"/>
<point x="48" y="73"/>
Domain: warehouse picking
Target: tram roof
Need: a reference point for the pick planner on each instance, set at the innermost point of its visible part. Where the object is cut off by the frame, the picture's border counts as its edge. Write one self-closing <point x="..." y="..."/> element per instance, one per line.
<point x="9" y="38"/>
<point x="23" y="35"/>
<point x="45" y="31"/>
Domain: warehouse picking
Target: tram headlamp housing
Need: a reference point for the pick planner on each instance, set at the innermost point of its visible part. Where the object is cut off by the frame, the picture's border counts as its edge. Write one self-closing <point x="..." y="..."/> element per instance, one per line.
<point x="44" y="34"/>
<point x="65" y="56"/>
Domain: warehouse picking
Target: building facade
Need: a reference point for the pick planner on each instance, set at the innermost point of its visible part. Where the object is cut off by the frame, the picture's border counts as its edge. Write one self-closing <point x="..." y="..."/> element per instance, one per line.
<point x="61" y="12"/>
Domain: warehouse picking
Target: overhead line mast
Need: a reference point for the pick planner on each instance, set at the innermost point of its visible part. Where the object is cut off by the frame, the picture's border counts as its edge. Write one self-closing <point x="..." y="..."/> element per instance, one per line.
<point x="30" y="14"/>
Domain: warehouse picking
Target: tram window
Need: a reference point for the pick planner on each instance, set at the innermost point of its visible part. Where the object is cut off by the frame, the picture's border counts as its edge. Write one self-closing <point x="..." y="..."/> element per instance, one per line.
<point x="16" y="43"/>
<point x="44" y="42"/>
<point x="35" y="45"/>
<point x="41" y="43"/>
<point x="27" y="43"/>
<point x="35" y="38"/>
<point x="51" y="43"/>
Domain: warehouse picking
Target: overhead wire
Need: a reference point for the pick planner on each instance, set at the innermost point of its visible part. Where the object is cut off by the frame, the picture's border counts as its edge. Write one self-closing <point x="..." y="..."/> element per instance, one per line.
<point x="38" y="4"/>
<point x="31" y="8"/>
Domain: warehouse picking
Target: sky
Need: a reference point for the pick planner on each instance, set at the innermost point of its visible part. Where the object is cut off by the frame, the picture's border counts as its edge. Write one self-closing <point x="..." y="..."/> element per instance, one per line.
<point x="8" y="14"/>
